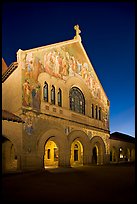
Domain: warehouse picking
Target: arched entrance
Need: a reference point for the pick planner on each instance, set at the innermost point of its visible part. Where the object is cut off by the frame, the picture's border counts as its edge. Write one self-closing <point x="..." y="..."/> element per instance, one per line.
<point x="98" y="150"/>
<point x="133" y="155"/>
<point x="9" y="157"/>
<point x="113" y="157"/>
<point x="51" y="154"/>
<point x="127" y="158"/>
<point x="76" y="158"/>
<point x="94" y="155"/>
<point x="121" y="154"/>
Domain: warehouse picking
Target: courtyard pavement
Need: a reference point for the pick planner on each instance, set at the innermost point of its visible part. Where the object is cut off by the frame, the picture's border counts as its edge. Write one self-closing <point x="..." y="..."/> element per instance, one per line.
<point x="86" y="184"/>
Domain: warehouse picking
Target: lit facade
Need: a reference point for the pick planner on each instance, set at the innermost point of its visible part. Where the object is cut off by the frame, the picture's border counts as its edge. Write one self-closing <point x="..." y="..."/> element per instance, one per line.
<point x="54" y="89"/>
<point x="122" y="148"/>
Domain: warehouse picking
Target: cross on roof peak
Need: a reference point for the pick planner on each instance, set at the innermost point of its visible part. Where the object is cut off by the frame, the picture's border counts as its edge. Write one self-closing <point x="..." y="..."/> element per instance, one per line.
<point x="78" y="31"/>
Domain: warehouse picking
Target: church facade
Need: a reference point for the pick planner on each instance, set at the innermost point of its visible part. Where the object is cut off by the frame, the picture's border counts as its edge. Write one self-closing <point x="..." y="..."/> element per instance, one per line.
<point x="63" y="108"/>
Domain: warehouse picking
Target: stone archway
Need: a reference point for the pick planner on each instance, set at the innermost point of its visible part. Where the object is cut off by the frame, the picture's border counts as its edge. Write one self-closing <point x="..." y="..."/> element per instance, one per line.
<point x="132" y="154"/>
<point x="127" y="156"/>
<point x="113" y="154"/>
<point x="59" y="142"/>
<point x="80" y="144"/>
<point x="76" y="158"/>
<point x="12" y="131"/>
<point x="9" y="156"/>
<point x="51" y="154"/>
<point x="98" y="150"/>
<point x="94" y="155"/>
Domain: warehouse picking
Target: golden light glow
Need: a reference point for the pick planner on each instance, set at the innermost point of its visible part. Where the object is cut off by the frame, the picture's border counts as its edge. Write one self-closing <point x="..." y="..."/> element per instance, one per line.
<point x="51" y="154"/>
<point x="76" y="154"/>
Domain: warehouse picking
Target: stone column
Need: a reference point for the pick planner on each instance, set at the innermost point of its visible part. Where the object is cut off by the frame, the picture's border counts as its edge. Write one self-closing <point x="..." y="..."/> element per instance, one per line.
<point x="86" y="159"/>
<point x="64" y="158"/>
<point x="18" y="162"/>
<point x="106" y="159"/>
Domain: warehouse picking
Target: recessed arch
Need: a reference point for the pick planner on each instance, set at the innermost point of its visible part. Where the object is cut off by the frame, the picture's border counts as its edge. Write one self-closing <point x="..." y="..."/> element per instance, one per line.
<point x="74" y="81"/>
<point x="76" y="158"/>
<point x="77" y="100"/>
<point x="83" y="142"/>
<point x="132" y="154"/>
<point x="121" y="153"/>
<point x="128" y="154"/>
<point x="45" y="92"/>
<point x="94" y="154"/>
<point x="113" y="154"/>
<point x="59" y="138"/>
<point x="98" y="150"/>
<point x="9" y="156"/>
<point x="51" y="153"/>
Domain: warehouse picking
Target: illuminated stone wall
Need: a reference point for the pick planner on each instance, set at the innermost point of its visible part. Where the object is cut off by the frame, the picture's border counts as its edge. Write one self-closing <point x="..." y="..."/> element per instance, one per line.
<point x="12" y="147"/>
<point x="12" y="92"/>
<point x="64" y="65"/>
<point x="121" y="151"/>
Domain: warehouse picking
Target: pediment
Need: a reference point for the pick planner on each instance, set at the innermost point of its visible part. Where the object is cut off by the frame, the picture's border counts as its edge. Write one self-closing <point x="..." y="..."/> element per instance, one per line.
<point x="61" y="60"/>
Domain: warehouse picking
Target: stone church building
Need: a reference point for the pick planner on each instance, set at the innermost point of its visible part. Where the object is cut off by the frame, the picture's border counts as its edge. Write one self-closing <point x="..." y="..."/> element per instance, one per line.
<point x="55" y="110"/>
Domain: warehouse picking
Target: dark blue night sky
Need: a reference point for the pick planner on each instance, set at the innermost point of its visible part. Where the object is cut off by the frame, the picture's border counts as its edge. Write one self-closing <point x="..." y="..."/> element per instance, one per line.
<point x="108" y="36"/>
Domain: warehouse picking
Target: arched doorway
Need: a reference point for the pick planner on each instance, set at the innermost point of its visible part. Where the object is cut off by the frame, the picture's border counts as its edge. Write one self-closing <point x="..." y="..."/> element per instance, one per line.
<point x="133" y="155"/>
<point x="76" y="158"/>
<point x="51" y="154"/>
<point x="98" y="150"/>
<point x="113" y="157"/>
<point x="121" y="154"/>
<point x="127" y="156"/>
<point x="94" y="155"/>
<point x="9" y="156"/>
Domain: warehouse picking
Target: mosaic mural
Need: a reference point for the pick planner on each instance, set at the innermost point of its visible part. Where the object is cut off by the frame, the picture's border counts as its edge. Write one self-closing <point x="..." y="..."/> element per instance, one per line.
<point x="61" y="62"/>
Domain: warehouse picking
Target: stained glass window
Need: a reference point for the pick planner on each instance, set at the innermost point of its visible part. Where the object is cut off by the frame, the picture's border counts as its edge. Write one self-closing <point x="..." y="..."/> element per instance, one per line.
<point x="77" y="100"/>
<point x="92" y="110"/>
<point x="59" y="97"/>
<point x="99" y="113"/>
<point x="45" y="92"/>
<point x="96" y="112"/>
<point x="53" y="95"/>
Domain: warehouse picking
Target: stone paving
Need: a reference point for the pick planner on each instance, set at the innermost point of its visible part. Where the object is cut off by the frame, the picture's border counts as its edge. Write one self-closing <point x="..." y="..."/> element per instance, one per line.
<point x="87" y="184"/>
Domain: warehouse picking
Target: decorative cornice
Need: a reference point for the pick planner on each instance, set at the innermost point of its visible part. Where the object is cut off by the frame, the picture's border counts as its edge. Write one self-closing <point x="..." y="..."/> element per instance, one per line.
<point x="39" y="114"/>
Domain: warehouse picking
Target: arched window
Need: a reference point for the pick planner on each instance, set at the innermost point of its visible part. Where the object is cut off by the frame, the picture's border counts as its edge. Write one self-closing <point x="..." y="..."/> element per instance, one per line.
<point x="92" y="110"/>
<point x="77" y="100"/>
<point x="99" y="113"/>
<point x="45" y="92"/>
<point x="53" y="95"/>
<point x="59" y="97"/>
<point x="96" y="112"/>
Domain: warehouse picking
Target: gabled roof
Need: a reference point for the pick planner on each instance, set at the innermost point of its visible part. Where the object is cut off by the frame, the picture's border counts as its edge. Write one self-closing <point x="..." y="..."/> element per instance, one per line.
<point x="6" y="115"/>
<point x="9" y="70"/>
<point x="74" y="54"/>
<point x="4" y="66"/>
<point x="122" y="137"/>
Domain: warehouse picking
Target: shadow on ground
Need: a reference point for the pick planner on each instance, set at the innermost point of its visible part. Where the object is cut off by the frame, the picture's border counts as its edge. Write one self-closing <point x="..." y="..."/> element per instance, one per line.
<point x="110" y="183"/>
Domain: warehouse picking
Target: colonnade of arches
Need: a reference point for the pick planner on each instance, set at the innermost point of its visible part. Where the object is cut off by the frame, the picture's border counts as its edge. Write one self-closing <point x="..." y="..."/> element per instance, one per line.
<point x="55" y="149"/>
<point x="122" y="154"/>
<point x="74" y="150"/>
